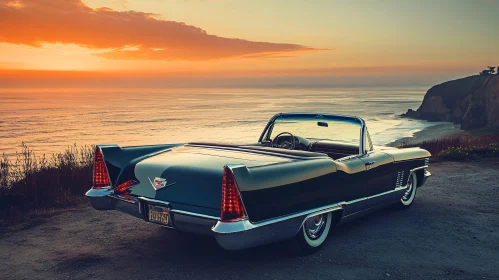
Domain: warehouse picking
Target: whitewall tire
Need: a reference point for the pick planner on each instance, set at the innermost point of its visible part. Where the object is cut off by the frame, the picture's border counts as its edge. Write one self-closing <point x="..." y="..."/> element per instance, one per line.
<point x="313" y="233"/>
<point x="410" y="194"/>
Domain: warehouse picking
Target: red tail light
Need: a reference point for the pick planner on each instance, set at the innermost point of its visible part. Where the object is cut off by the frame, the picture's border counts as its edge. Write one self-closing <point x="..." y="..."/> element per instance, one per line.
<point x="101" y="178"/>
<point x="123" y="187"/>
<point x="232" y="206"/>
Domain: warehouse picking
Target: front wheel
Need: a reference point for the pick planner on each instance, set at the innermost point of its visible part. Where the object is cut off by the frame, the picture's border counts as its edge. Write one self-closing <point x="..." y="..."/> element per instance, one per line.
<point x="312" y="234"/>
<point x="410" y="194"/>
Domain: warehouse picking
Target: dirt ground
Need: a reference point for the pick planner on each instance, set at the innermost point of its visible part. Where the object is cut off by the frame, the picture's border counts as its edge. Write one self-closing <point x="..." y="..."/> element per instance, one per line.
<point x="451" y="232"/>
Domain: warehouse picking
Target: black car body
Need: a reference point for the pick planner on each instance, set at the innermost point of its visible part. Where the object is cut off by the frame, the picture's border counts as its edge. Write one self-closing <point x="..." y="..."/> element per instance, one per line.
<point x="286" y="186"/>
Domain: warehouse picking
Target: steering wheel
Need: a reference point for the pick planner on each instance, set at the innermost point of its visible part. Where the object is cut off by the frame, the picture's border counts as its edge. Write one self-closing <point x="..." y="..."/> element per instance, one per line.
<point x="284" y="144"/>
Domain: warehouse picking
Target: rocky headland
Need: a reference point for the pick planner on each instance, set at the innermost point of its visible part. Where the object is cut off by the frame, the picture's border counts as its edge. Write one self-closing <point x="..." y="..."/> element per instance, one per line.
<point x="472" y="102"/>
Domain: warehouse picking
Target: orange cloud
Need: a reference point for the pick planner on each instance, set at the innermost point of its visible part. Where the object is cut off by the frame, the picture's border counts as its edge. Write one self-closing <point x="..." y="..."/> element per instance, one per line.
<point x="122" y="35"/>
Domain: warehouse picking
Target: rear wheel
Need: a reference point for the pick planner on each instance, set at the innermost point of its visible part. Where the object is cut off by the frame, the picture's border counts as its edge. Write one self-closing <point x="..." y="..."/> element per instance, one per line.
<point x="410" y="194"/>
<point x="312" y="234"/>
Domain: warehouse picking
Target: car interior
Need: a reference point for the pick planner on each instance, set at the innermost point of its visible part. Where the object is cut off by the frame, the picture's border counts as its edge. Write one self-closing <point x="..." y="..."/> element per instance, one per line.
<point x="333" y="149"/>
<point x="301" y="147"/>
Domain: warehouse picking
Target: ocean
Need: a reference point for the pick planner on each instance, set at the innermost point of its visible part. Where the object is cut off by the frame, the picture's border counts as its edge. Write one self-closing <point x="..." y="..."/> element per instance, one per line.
<point x="50" y="120"/>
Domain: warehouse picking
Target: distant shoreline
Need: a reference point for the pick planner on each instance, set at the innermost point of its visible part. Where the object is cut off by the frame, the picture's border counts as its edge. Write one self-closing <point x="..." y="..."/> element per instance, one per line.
<point x="429" y="133"/>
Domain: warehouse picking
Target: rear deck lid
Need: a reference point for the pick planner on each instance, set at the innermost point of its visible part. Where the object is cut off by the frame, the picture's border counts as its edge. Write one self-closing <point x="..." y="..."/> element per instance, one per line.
<point x="192" y="175"/>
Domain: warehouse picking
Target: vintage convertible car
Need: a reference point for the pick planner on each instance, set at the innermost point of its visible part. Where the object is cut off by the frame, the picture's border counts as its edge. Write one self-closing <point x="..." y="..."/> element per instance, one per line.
<point x="306" y="173"/>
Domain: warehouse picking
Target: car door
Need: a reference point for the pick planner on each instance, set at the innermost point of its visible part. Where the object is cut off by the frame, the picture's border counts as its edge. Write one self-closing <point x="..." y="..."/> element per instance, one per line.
<point x="381" y="177"/>
<point x="351" y="179"/>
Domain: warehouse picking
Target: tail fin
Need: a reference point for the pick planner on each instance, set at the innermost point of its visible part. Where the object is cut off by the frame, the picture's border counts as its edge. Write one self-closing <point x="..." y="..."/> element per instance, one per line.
<point x="120" y="162"/>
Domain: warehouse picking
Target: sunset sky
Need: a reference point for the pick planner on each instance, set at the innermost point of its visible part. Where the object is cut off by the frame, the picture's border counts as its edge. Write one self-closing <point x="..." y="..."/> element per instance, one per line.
<point x="261" y="39"/>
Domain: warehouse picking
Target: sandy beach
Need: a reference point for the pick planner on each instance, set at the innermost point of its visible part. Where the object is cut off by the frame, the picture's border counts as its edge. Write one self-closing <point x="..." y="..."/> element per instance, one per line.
<point x="431" y="133"/>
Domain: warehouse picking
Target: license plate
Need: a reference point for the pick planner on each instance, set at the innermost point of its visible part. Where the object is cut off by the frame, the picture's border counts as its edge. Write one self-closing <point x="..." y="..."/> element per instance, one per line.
<point x="159" y="215"/>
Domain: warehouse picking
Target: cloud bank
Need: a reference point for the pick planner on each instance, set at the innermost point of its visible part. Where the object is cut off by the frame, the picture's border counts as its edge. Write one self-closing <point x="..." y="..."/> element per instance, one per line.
<point x="122" y="35"/>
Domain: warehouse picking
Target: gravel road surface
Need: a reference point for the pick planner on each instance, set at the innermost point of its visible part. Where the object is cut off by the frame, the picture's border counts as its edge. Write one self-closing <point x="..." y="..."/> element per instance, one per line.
<point x="451" y="232"/>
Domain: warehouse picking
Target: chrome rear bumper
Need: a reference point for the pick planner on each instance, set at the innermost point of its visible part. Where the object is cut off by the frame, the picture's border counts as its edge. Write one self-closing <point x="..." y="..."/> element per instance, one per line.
<point x="100" y="200"/>
<point x="103" y="199"/>
<point x="243" y="234"/>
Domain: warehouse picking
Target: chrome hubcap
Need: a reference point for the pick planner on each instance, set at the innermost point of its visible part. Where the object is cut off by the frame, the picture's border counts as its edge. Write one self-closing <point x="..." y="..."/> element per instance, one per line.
<point x="408" y="192"/>
<point x="314" y="226"/>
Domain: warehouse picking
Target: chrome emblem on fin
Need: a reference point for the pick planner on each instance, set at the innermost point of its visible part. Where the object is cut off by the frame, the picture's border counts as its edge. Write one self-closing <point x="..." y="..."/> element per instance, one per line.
<point x="159" y="183"/>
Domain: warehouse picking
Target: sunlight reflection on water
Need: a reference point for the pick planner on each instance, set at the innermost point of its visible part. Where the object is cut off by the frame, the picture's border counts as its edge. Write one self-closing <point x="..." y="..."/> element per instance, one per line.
<point x="50" y="121"/>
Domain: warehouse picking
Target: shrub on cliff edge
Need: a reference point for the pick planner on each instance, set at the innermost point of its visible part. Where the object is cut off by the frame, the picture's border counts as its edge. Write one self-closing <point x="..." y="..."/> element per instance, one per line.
<point x="28" y="182"/>
<point x="472" y="152"/>
<point x="461" y="147"/>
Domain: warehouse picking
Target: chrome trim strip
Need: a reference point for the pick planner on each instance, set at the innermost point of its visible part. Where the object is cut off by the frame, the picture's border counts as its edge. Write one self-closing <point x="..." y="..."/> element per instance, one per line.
<point x="122" y="199"/>
<point x="314" y="211"/>
<point x="194" y="214"/>
<point x="411" y="159"/>
<point x="427" y="173"/>
<point x="376" y="195"/>
<point x="419" y="168"/>
<point x="398" y="189"/>
<point x="356" y="200"/>
<point x="154" y="201"/>
<point x="99" y="192"/>
<point x="165" y="226"/>
<point x="256" y="152"/>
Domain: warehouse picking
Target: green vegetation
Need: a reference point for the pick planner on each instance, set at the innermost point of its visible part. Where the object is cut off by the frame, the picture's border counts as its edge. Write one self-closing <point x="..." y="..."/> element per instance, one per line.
<point x="462" y="147"/>
<point x="472" y="152"/>
<point x="29" y="182"/>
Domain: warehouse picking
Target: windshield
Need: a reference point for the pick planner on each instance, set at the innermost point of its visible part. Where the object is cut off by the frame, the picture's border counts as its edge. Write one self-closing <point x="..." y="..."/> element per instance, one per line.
<point x="318" y="127"/>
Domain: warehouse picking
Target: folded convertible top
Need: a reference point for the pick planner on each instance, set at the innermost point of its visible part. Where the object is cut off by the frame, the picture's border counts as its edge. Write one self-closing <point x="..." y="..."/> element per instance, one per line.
<point x="295" y="153"/>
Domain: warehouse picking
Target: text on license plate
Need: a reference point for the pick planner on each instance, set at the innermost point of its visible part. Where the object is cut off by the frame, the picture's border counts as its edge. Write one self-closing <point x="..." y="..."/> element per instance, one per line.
<point x="158" y="214"/>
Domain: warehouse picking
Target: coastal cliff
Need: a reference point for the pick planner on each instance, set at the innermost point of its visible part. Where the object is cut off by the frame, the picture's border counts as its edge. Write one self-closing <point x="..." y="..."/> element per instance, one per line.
<point x="472" y="102"/>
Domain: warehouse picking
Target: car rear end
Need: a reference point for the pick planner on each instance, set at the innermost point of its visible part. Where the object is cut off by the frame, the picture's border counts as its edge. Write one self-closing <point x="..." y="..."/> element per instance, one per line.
<point x="186" y="188"/>
<point x="154" y="211"/>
